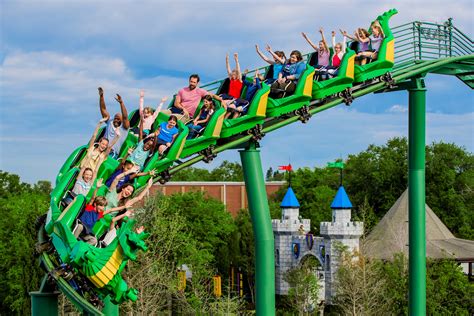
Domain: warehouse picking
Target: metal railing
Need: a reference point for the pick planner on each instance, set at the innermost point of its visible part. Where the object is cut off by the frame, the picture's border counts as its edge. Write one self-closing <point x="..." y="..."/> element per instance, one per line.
<point x="424" y="41"/>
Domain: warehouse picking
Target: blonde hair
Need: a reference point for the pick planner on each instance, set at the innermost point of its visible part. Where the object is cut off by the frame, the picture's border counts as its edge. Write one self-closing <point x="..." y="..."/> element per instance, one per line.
<point x="376" y="24"/>
<point x="100" y="200"/>
<point x="148" y="109"/>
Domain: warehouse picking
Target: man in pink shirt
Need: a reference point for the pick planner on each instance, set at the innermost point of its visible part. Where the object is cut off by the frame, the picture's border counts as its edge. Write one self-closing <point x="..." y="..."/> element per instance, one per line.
<point x="187" y="100"/>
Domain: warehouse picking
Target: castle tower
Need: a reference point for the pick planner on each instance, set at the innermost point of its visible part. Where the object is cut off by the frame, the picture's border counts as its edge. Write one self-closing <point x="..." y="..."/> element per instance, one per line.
<point x="339" y="231"/>
<point x="284" y="230"/>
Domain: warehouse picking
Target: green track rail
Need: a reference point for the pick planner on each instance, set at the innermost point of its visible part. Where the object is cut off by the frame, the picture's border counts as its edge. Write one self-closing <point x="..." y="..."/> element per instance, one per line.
<point x="421" y="48"/>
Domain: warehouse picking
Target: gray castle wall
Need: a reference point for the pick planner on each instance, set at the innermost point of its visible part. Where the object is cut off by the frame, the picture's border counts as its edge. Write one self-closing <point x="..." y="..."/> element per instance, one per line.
<point x="286" y="232"/>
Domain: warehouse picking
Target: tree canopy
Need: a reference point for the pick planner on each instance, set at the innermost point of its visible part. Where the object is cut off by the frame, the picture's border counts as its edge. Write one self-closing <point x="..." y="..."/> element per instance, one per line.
<point x="375" y="178"/>
<point x="20" y="205"/>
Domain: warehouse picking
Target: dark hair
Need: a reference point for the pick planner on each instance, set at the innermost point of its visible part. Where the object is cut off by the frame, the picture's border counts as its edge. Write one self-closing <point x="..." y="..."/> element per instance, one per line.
<point x="280" y="54"/>
<point x="152" y="139"/>
<point x="123" y="201"/>
<point x="127" y="184"/>
<point x="298" y="55"/>
<point x="195" y="76"/>
<point x="128" y="162"/>
<point x="90" y="169"/>
<point x="209" y="98"/>
<point x="173" y="118"/>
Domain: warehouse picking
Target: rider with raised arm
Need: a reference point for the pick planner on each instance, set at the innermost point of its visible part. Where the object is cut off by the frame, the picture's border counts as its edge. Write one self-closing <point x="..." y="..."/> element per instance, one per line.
<point x="339" y="51"/>
<point x="278" y="61"/>
<point x="235" y="77"/>
<point x="97" y="152"/>
<point x="144" y="149"/>
<point x="322" y="50"/>
<point x="147" y="114"/>
<point x="118" y="124"/>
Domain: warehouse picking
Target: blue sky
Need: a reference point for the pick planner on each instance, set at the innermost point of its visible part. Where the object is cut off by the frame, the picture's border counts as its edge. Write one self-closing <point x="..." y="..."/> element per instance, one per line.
<point x="54" y="55"/>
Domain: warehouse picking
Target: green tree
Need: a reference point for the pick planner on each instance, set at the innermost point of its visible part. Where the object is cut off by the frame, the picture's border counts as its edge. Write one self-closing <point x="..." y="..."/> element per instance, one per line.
<point x="10" y="184"/>
<point x="449" y="187"/>
<point x="360" y="287"/>
<point x="20" y="206"/>
<point x="228" y="171"/>
<point x="313" y="193"/>
<point x="242" y="247"/>
<point x="208" y="222"/>
<point x="172" y="243"/>
<point x="378" y="173"/>
<point x="375" y="178"/>
<point x="192" y="174"/>
<point x="304" y="286"/>
<point x="448" y="290"/>
<point x="269" y="174"/>
<point x="278" y="176"/>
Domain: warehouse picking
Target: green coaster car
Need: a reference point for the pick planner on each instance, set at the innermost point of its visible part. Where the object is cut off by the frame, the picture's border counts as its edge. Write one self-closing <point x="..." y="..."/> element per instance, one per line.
<point x="255" y="115"/>
<point x="343" y="80"/>
<point x="75" y="158"/>
<point x="59" y="192"/>
<point x="301" y="97"/>
<point x="210" y="134"/>
<point x="174" y="152"/>
<point x="101" y="266"/>
<point x="386" y="55"/>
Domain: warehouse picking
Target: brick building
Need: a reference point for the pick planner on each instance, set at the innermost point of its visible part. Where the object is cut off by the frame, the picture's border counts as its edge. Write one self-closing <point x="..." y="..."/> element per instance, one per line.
<point x="232" y="194"/>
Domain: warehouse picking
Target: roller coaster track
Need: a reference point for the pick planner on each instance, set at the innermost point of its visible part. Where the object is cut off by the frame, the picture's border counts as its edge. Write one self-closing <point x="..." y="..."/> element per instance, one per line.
<point x="420" y="47"/>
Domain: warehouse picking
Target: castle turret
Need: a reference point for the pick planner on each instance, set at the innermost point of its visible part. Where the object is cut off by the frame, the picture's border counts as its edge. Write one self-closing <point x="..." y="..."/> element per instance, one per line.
<point x="290" y="207"/>
<point x="284" y="230"/>
<point x="341" y="230"/>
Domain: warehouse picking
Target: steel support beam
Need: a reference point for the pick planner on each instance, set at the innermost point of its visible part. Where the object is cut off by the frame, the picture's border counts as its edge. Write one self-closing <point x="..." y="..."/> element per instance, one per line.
<point x="262" y="229"/>
<point x="416" y="198"/>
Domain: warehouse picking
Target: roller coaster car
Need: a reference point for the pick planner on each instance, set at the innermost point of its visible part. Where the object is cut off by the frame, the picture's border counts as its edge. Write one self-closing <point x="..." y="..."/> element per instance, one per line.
<point x="301" y="97"/>
<point x="57" y="195"/>
<point x="339" y="83"/>
<point x="158" y="164"/>
<point x="255" y="114"/>
<point x="134" y="118"/>
<point x="77" y="155"/>
<point x="74" y="160"/>
<point x="208" y="137"/>
<point x="386" y="55"/>
<point x="101" y="266"/>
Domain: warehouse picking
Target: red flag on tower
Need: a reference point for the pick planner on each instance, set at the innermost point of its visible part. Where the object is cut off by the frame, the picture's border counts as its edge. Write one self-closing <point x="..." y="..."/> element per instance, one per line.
<point x="287" y="168"/>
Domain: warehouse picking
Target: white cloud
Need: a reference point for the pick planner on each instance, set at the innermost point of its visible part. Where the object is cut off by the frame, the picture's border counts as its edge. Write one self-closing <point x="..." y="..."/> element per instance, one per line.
<point x="397" y="108"/>
<point x="59" y="80"/>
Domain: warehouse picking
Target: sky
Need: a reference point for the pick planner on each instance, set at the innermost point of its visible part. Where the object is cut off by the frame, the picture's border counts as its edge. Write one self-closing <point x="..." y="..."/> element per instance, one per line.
<point x="54" y="55"/>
